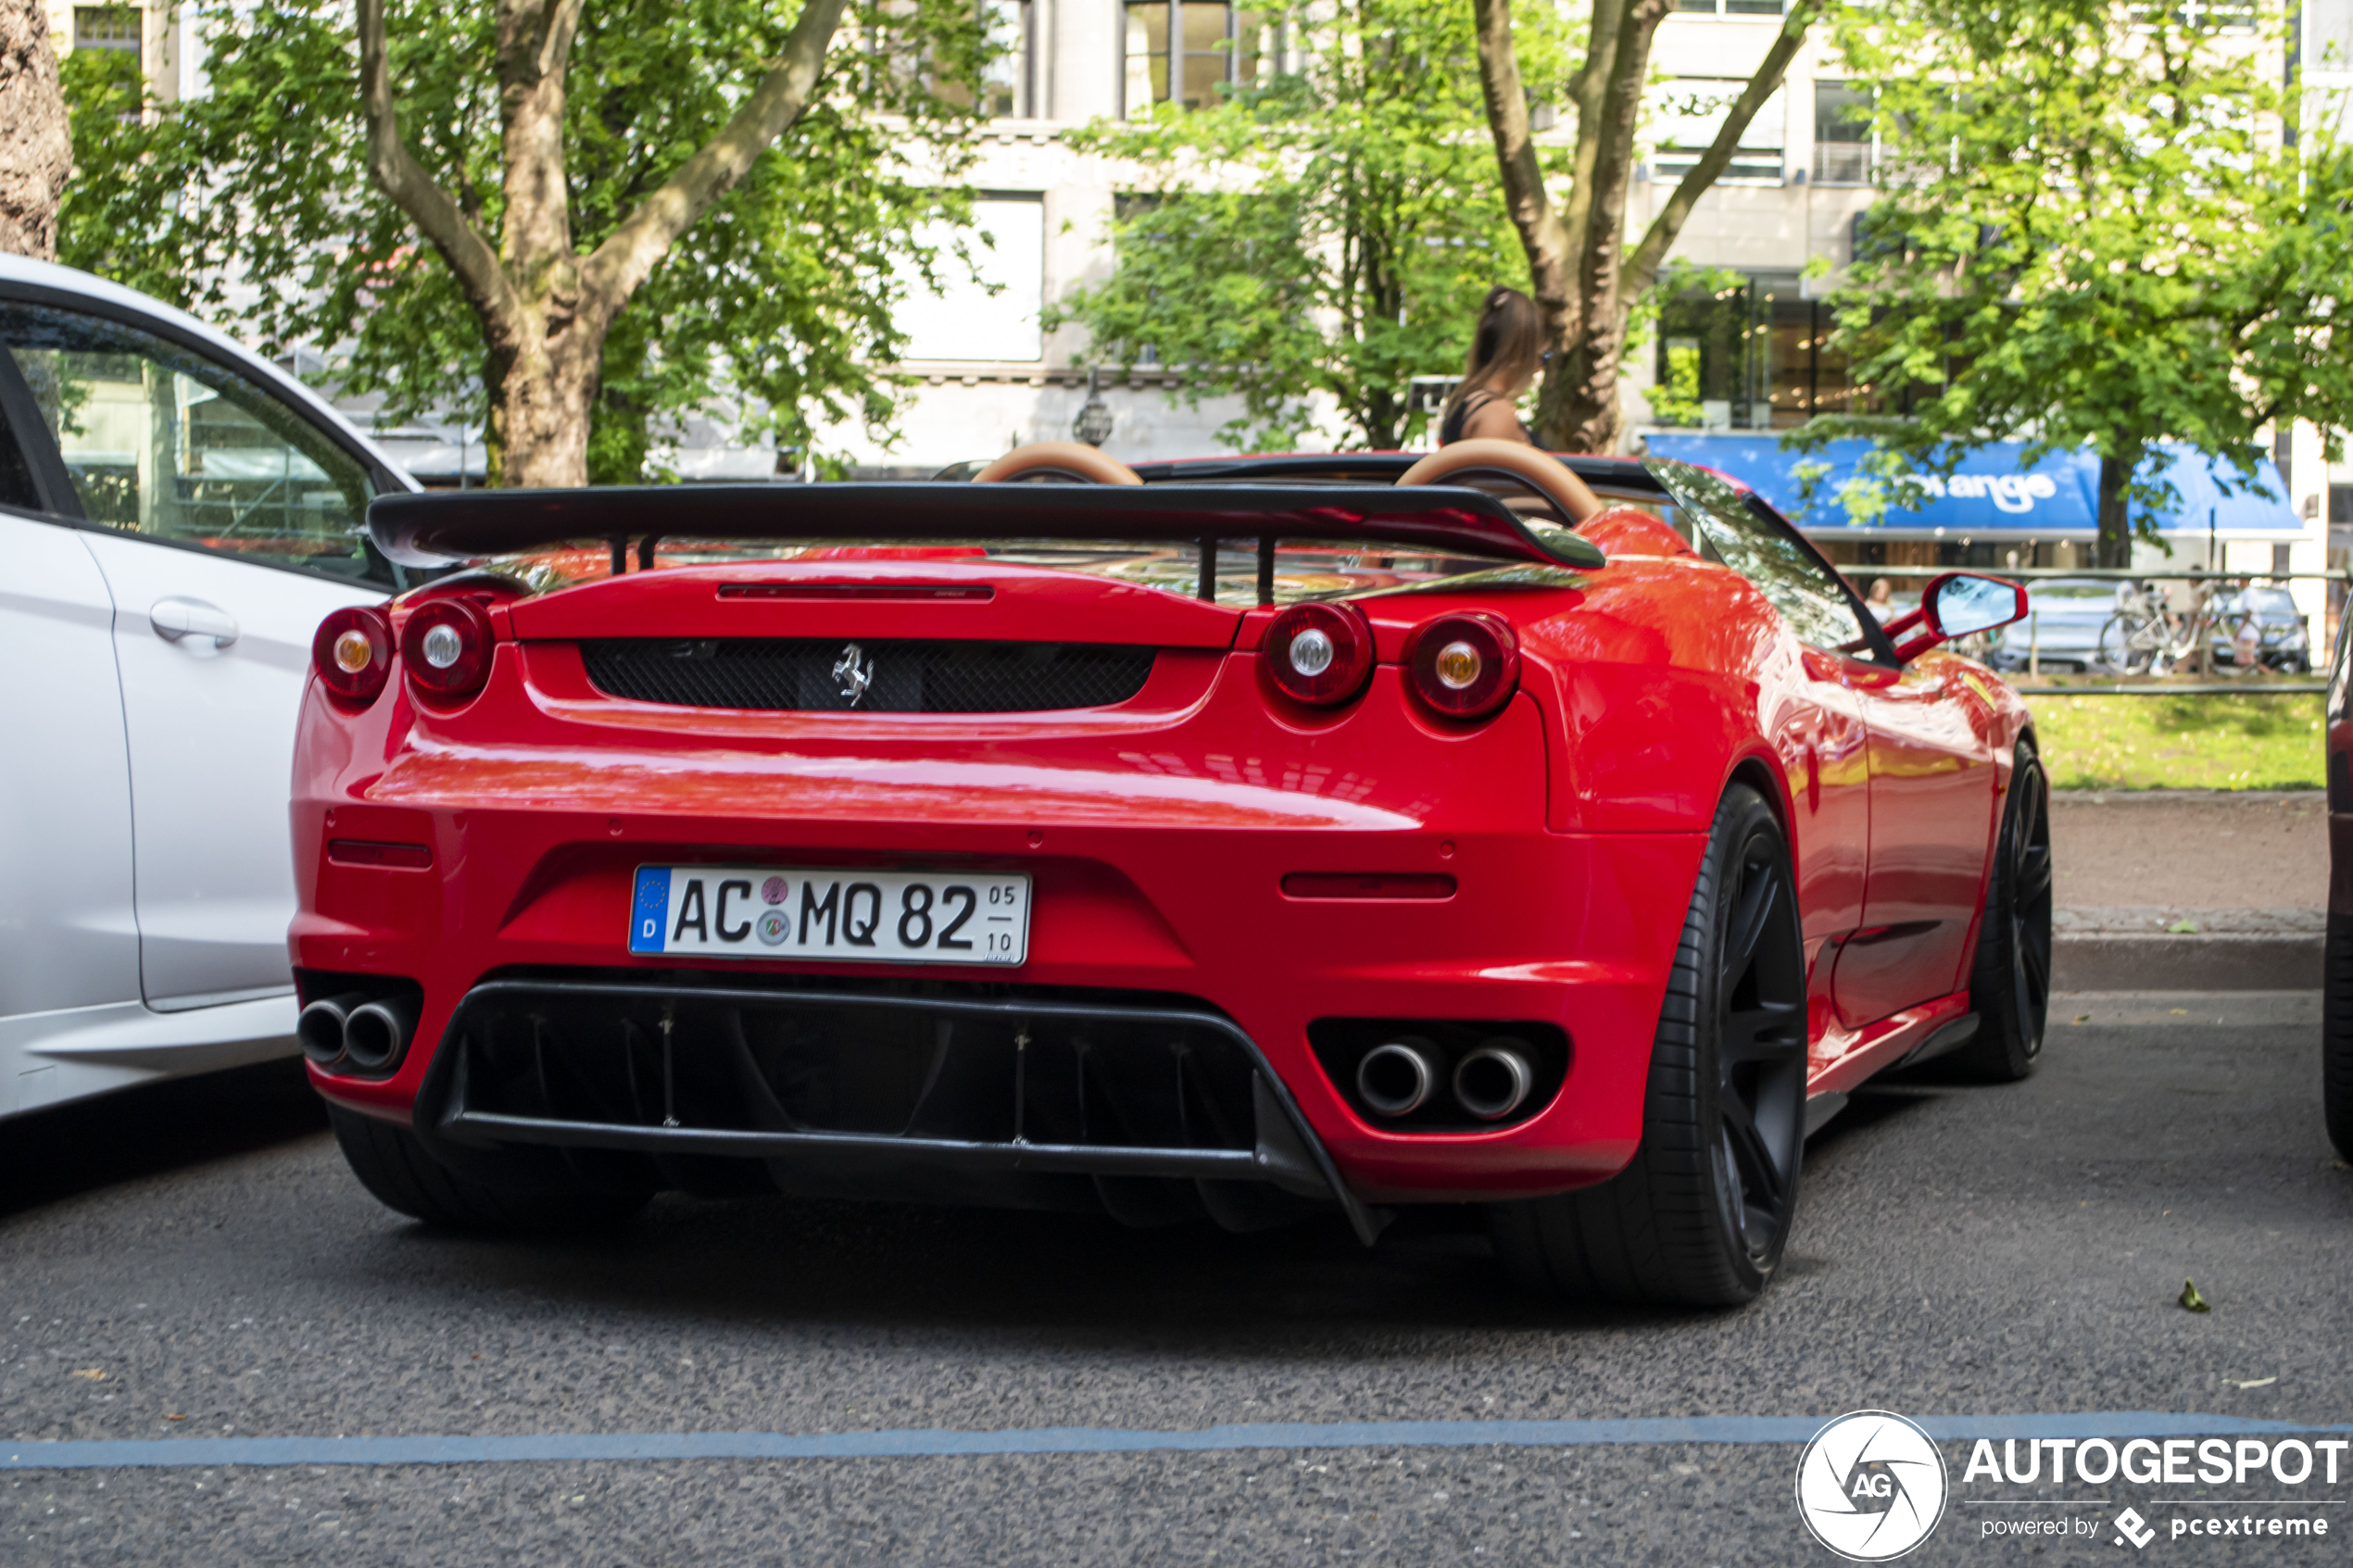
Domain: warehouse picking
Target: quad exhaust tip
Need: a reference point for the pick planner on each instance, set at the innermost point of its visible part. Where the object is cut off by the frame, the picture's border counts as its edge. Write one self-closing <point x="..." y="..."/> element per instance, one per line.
<point x="355" y="1031"/>
<point x="1494" y="1081"/>
<point x="1398" y="1078"/>
<point x="321" y="1027"/>
<point x="377" y="1032"/>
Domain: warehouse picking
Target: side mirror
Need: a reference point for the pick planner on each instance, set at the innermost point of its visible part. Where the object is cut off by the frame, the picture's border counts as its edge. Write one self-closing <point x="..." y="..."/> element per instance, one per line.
<point x="1959" y="604"/>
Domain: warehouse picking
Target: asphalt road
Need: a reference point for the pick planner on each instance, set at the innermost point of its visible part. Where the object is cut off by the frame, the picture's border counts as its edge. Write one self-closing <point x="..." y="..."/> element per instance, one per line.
<point x="195" y="1262"/>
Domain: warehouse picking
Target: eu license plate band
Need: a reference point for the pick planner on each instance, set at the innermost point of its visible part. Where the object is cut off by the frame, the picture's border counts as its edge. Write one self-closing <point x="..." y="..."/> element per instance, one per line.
<point x="797" y="912"/>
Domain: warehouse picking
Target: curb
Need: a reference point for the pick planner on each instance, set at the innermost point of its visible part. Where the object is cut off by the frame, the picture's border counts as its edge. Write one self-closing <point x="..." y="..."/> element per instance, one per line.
<point x="2162" y="962"/>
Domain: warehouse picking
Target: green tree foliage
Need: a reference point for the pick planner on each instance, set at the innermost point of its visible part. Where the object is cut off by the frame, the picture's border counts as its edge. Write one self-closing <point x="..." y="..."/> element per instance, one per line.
<point x="2094" y="231"/>
<point x="1330" y="229"/>
<point x="254" y="202"/>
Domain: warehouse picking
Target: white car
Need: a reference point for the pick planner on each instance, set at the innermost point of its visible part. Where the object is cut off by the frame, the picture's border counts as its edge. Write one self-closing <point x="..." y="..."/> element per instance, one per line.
<point x="177" y="515"/>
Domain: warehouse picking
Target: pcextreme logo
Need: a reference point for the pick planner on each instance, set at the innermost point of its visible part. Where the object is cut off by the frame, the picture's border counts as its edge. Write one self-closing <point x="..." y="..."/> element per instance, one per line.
<point x="1870" y="1486"/>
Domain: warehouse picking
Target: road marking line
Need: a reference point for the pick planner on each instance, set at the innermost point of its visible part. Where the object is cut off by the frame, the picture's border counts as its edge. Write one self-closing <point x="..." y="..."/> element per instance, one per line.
<point x="180" y="1453"/>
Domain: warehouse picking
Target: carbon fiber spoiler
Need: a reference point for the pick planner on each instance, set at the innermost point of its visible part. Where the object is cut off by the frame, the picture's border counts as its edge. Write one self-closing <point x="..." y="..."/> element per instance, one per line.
<point x="434" y="528"/>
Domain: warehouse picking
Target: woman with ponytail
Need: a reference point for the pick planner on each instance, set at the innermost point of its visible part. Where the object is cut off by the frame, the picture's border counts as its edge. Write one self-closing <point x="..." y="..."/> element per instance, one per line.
<point x="1506" y="352"/>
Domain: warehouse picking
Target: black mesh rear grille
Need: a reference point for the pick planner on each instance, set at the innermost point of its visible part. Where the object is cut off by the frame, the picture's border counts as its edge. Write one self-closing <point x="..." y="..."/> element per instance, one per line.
<point x="799" y="673"/>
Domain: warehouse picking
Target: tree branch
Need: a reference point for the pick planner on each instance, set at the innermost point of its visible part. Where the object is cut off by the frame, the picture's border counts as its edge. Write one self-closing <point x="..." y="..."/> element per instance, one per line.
<point x="1644" y="268"/>
<point x="470" y="255"/>
<point x="1525" y="199"/>
<point x="614" y="270"/>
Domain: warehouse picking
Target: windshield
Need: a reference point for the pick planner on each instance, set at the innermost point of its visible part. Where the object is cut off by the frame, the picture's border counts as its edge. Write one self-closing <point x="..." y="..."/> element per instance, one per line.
<point x="1776" y="561"/>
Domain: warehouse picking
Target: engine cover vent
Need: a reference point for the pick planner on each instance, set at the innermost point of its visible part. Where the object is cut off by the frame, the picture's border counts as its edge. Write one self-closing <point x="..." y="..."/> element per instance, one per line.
<point x="881" y="675"/>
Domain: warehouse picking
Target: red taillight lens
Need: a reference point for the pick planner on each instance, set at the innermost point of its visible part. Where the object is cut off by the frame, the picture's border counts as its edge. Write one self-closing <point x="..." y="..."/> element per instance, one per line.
<point x="352" y="652"/>
<point x="1464" y="666"/>
<point x="1319" y="653"/>
<point x="446" y="646"/>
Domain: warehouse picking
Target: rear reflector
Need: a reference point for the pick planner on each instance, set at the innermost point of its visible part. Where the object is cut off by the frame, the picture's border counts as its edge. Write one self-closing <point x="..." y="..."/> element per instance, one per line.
<point x="914" y="592"/>
<point x="360" y="852"/>
<point x="1371" y="884"/>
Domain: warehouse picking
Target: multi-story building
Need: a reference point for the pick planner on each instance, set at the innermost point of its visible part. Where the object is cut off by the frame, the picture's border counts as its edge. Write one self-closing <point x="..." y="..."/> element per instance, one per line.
<point x="1723" y="371"/>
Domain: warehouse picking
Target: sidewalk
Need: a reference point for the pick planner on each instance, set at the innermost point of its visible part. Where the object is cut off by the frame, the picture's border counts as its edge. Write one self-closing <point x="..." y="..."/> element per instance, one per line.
<point x="2189" y="889"/>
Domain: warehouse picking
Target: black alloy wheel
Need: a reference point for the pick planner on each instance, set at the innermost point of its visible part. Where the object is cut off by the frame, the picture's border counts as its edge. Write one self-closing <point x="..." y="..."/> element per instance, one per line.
<point x="2010" y="986"/>
<point x="1700" y="1216"/>
<point x="1760" y="1048"/>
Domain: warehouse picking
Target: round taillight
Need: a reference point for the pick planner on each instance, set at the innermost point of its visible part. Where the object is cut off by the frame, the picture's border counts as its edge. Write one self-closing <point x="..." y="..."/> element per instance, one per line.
<point x="352" y="652"/>
<point x="1464" y="666"/>
<point x="446" y="646"/>
<point x="1319" y="653"/>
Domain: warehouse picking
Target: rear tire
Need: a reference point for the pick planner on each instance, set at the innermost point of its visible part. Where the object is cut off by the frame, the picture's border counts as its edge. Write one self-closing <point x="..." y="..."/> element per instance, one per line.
<point x="2336" y="1035"/>
<point x="392" y="1164"/>
<point x="2010" y="984"/>
<point x="1700" y="1216"/>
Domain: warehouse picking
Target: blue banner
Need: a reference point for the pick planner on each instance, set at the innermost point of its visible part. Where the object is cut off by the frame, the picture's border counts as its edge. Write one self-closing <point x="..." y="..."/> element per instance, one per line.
<point x="1993" y="494"/>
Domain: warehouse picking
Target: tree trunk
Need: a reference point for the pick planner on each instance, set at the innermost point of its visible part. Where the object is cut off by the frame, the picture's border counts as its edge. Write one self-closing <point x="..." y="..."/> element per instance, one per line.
<point x="36" y="150"/>
<point x="2115" y="548"/>
<point x="1584" y="279"/>
<point x="545" y="309"/>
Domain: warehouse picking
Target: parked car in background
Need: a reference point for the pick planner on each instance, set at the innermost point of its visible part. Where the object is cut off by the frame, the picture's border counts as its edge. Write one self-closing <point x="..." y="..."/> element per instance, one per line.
<point x="2261" y="625"/>
<point x="2061" y="631"/>
<point x="176" y="516"/>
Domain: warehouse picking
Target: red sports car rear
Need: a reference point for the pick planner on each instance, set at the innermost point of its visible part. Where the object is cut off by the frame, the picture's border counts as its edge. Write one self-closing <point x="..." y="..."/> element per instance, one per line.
<point x="1232" y="851"/>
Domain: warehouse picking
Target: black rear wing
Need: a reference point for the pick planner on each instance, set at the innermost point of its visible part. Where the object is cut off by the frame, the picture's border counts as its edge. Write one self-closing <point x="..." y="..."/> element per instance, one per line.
<point x="432" y="529"/>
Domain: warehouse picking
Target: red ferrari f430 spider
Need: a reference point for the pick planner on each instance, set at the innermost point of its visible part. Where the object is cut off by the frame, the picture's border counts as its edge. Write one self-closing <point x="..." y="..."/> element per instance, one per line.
<point x="1232" y="839"/>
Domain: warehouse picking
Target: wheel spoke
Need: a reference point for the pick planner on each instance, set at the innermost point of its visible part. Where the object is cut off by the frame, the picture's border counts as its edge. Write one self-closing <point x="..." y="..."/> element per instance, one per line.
<point x="1760" y="1178"/>
<point x="2033" y="880"/>
<point x="1748" y="929"/>
<point x="1763" y="1033"/>
<point x="2037" y="963"/>
<point x="2027" y="785"/>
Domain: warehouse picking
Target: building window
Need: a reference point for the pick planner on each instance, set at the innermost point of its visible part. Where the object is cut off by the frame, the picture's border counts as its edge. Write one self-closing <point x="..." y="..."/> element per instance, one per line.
<point x="106" y="27"/>
<point x="1690" y="112"/>
<point x="991" y="317"/>
<point x="1845" y="151"/>
<point x="1006" y="89"/>
<point x="1753" y="357"/>
<point x="1187" y="53"/>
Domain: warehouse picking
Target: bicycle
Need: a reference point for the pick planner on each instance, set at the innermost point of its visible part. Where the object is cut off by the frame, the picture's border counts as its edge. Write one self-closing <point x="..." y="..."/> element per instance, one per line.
<point x="2147" y="636"/>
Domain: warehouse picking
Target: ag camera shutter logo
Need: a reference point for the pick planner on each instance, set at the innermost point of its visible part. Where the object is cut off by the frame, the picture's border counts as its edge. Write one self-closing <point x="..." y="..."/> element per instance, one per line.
<point x="1870" y="1486"/>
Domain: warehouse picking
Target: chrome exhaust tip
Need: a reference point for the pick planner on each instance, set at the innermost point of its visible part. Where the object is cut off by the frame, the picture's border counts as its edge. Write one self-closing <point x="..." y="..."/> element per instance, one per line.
<point x="376" y="1033"/>
<point x="1397" y="1078"/>
<point x="321" y="1027"/>
<point x="1494" y="1081"/>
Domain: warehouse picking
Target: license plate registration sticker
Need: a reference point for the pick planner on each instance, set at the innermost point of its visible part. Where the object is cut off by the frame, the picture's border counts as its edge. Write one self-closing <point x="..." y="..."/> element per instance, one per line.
<point x="787" y="912"/>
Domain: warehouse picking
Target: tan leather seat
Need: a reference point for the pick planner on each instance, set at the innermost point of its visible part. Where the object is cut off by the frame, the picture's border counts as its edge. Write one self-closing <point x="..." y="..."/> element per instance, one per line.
<point x="1484" y="456"/>
<point x="1069" y="460"/>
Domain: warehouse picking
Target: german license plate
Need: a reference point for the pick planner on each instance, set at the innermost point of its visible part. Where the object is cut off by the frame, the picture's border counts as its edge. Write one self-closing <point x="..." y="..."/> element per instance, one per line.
<point x="788" y="913"/>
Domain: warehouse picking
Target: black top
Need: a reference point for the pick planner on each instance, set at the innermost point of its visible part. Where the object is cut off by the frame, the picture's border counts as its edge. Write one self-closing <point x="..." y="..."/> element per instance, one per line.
<point x="1459" y="415"/>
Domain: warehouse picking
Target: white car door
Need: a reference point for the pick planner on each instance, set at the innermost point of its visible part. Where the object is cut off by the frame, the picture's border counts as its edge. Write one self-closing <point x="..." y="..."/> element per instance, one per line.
<point x="230" y="526"/>
<point x="67" y="926"/>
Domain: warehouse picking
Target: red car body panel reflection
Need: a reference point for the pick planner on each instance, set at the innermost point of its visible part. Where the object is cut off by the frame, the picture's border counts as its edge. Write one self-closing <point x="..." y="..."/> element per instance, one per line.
<point x="1159" y="831"/>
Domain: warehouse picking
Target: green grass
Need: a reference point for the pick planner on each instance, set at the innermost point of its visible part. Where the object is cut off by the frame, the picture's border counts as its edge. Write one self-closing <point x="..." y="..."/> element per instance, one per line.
<point x="2221" y="742"/>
